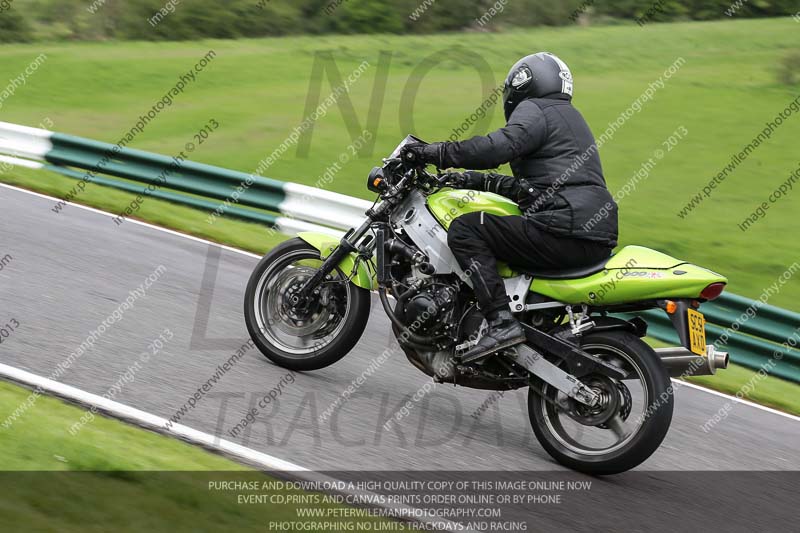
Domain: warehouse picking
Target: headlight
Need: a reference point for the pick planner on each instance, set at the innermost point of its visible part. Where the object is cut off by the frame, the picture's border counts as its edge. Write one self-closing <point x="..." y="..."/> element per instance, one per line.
<point x="376" y="182"/>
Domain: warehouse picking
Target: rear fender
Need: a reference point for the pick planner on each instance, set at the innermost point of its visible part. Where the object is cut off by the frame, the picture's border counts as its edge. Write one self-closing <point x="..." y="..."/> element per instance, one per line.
<point x="636" y="325"/>
<point x="326" y="244"/>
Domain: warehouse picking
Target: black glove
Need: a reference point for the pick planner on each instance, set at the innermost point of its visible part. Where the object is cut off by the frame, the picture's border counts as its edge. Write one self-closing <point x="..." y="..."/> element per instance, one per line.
<point x="466" y="180"/>
<point x="420" y="154"/>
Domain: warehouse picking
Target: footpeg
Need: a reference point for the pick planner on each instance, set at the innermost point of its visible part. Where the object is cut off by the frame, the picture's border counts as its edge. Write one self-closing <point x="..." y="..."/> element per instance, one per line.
<point x="581" y="323"/>
<point x="504" y="332"/>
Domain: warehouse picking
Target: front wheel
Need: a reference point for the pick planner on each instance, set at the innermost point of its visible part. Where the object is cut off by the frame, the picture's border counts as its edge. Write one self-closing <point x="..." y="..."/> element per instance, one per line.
<point x="314" y="334"/>
<point x="626" y="427"/>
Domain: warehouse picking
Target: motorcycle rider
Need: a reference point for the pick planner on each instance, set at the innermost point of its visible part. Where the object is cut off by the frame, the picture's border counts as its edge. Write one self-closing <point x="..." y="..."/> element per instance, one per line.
<point x="557" y="181"/>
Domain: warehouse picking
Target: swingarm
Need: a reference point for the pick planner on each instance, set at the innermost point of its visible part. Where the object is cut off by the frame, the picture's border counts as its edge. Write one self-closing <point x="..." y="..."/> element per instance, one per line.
<point x="578" y="362"/>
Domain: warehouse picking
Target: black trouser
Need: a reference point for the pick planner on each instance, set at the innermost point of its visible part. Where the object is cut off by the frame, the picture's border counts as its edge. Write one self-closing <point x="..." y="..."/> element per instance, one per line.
<point x="479" y="239"/>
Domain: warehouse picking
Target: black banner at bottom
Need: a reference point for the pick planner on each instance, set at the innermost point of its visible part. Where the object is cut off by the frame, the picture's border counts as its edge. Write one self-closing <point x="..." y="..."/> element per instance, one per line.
<point x="398" y="501"/>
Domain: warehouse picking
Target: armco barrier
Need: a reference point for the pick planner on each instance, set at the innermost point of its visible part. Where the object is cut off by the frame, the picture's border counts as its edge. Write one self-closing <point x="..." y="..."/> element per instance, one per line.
<point x="770" y="334"/>
<point x="296" y="207"/>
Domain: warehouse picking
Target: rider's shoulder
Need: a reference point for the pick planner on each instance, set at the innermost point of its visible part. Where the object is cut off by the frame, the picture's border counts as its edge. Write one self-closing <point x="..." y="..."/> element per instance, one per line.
<point x="528" y="108"/>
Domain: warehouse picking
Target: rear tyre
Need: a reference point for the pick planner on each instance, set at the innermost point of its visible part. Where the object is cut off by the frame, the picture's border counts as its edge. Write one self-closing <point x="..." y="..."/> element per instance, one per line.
<point x="313" y="337"/>
<point x="634" y="424"/>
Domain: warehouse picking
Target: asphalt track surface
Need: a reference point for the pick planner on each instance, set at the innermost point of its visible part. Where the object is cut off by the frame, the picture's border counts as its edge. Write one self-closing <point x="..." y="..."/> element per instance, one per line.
<point x="70" y="271"/>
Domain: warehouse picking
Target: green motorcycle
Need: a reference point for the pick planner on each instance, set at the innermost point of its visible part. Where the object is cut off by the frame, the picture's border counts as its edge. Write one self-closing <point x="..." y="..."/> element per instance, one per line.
<point x="599" y="399"/>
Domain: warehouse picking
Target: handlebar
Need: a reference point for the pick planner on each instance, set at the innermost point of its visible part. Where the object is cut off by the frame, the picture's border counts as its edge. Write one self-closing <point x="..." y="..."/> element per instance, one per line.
<point x="442" y="180"/>
<point x="423" y="178"/>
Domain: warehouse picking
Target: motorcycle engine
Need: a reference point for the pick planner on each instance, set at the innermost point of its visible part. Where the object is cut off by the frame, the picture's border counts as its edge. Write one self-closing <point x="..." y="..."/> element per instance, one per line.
<point x="430" y="310"/>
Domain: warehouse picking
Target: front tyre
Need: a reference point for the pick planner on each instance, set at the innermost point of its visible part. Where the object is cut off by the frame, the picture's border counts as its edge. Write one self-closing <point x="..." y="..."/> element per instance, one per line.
<point x="628" y="425"/>
<point x="310" y="336"/>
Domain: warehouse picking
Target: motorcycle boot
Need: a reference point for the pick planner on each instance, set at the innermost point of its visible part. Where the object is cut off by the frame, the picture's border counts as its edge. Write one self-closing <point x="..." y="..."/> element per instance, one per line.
<point x="504" y="330"/>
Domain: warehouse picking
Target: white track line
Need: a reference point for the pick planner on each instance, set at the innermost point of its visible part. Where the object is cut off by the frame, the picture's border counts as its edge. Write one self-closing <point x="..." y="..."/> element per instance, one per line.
<point x="132" y="220"/>
<point x="237" y="250"/>
<point x="249" y="456"/>
<point x="147" y="420"/>
<point x="737" y="400"/>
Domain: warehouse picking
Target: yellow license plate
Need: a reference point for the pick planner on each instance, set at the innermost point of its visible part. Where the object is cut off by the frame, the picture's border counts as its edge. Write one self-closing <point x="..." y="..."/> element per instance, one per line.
<point x="697" y="332"/>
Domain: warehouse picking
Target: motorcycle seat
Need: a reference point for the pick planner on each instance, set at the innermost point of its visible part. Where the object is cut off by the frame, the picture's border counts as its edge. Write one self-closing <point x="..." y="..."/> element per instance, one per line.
<point x="573" y="273"/>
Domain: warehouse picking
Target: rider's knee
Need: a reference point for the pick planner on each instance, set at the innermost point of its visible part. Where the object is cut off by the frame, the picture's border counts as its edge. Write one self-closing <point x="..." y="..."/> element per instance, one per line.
<point x="456" y="232"/>
<point x="462" y="227"/>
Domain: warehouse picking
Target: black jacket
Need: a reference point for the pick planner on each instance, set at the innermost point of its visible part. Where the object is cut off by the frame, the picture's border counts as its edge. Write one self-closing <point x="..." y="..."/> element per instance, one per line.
<point x="558" y="180"/>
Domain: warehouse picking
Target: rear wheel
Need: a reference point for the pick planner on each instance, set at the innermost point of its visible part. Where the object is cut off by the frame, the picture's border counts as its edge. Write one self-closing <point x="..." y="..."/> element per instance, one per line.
<point x="626" y="427"/>
<point x="314" y="334"/>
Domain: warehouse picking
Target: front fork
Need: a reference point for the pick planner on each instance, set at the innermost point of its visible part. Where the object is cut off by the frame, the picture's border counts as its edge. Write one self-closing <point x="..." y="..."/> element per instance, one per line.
<point x="347" y="245"/>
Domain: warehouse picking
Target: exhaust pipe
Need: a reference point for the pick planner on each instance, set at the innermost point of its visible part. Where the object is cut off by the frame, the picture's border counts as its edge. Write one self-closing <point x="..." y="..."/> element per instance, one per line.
<point x="680" y="362"/>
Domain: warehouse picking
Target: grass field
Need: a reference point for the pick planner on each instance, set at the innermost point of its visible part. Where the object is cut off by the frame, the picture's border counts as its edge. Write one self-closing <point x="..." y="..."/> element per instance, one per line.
<point x="723" y="94"/>
<point x="113" y="473"/>
<point x="40" y="441"/>
<point x="770" y="391"/>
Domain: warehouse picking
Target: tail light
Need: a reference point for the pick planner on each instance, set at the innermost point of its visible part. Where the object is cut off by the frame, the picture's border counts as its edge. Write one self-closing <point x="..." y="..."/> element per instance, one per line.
<point x="712" y="291"/>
